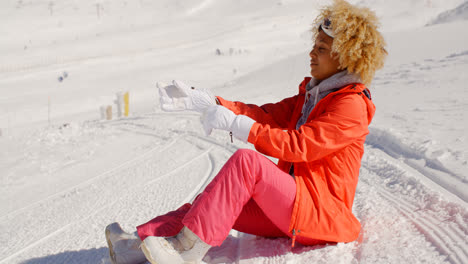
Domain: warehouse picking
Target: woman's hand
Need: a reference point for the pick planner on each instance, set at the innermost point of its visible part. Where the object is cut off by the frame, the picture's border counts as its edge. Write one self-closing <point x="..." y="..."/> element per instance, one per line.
<point x="178" y="97"/>
<point x="219" y="117"/>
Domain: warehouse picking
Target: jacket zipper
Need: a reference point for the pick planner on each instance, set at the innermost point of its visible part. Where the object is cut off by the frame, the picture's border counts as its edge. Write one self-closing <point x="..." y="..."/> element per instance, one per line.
<point x="291" y="169"/>
<point x="294" y="233"/>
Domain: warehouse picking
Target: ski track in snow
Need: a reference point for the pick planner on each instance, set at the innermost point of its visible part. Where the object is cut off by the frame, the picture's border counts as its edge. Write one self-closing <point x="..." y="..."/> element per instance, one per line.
<point x="443" y="224"/>
<point x="447" y="240"/>
<point x="430" y="168"/>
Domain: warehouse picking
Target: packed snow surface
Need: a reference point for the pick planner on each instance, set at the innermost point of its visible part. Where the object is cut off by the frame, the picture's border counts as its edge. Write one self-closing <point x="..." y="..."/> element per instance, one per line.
<point x="65" y="173"/>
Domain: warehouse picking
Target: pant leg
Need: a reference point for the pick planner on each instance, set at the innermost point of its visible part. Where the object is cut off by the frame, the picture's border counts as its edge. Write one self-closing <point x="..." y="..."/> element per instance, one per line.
<point x="246" y="175"/>
<point x="166" y="225"/>
<point x="252" y="220"/>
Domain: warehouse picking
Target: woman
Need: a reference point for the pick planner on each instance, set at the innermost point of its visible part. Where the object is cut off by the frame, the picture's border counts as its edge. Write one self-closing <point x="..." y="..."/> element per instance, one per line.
<point x="318" y="137"/>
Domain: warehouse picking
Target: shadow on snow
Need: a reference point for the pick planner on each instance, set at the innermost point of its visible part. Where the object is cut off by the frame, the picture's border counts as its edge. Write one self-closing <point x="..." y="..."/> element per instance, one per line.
<point x="92" y="256"/>
<point x="232" y="250"/>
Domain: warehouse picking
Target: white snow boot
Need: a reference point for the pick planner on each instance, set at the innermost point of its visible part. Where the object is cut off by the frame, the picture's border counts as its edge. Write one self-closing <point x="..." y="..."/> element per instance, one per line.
<point x="124" y="248"/>
<point x="185" y="247"/>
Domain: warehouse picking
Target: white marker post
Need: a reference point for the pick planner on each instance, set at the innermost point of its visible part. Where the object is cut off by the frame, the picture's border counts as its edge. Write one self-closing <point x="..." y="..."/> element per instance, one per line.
<point x="48" y="111"/>
<point x="119" y="102"/>
<point x="103" y="112"/>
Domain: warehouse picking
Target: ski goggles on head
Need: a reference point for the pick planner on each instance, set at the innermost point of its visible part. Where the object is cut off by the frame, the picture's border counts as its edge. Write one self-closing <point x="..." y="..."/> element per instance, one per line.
<point x="327" y="27"/>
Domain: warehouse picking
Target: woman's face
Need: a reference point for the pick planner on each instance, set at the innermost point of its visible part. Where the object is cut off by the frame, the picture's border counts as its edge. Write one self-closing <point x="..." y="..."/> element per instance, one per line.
<point x="322" y="61"/>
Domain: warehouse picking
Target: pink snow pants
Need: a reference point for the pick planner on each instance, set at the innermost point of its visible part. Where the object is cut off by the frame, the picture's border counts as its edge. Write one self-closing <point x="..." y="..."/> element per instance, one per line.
<point x="250" y="194"/>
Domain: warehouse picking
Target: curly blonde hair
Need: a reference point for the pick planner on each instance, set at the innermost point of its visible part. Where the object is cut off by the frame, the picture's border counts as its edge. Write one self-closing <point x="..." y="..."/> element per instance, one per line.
<point x="358" y="44"/>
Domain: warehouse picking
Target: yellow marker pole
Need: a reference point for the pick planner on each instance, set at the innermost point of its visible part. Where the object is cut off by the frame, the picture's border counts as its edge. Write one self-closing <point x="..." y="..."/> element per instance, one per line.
<point x="126" y="102"/>
<point x="109" y="112"/>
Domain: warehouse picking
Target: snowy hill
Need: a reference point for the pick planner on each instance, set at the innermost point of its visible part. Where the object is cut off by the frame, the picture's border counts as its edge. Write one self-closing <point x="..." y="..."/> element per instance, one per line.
<point x="458" y="13"/>
<point x="63" y="181"/>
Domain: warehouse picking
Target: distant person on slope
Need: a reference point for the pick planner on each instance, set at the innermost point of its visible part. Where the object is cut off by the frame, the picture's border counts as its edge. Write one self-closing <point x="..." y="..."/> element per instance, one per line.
<point x="318" y="136"/>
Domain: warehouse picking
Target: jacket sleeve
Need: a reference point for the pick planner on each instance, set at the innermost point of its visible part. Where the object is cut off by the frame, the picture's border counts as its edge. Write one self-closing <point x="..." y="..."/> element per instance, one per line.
<point x="343" y="122"/>
<point x="276" y="115"/>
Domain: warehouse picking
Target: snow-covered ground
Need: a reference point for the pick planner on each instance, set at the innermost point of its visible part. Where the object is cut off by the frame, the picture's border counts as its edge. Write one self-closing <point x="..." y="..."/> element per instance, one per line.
<point x="65" y="173"/>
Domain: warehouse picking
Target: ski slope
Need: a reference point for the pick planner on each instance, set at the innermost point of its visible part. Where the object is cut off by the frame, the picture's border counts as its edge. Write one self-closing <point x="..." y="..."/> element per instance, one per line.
<point x="65" y="175"/>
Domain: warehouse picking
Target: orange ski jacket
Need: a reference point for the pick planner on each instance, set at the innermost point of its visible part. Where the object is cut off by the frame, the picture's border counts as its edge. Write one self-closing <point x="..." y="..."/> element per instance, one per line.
<point x="326" y="153"/>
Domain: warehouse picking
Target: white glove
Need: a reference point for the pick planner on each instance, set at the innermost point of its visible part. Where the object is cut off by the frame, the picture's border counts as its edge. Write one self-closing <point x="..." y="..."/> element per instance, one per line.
<point x="178" y="97"/>
<point x="219" y="117"/>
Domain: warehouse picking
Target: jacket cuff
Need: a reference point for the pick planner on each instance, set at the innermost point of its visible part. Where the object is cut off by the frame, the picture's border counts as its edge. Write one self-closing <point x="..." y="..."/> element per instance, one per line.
<point x="221" y="101"/>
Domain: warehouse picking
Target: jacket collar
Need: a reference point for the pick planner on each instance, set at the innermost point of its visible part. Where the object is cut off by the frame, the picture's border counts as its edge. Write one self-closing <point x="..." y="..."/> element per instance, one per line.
<point x="357" y="88"/>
